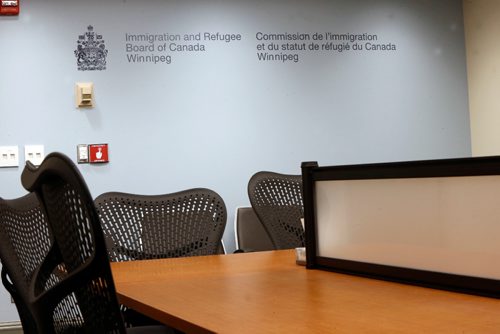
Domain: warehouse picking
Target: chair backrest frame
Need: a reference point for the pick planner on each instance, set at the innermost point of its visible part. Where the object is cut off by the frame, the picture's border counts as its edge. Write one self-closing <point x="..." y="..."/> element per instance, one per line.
<point x="185" y="223"/>
<point x="73" y="287"/>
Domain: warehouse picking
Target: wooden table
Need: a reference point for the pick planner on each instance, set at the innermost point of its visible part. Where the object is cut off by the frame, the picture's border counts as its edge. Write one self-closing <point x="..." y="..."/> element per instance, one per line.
<point x="266" y="292"/>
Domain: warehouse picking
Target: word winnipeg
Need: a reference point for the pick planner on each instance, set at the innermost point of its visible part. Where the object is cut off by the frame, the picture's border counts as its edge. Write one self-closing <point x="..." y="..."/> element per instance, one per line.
<point x="136" y="58"/>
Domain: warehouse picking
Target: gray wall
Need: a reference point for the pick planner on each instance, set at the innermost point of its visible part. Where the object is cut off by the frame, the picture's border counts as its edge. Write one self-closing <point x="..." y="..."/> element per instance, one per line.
<point x="213" y="118"/>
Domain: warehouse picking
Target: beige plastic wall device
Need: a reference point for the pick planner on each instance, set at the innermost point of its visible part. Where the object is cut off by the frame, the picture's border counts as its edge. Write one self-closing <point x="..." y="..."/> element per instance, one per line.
<point x="84" y="94"/>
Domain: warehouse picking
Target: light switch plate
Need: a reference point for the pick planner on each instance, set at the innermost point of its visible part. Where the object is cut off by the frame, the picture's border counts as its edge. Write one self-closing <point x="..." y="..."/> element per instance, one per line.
<point x="9" y="156"/>
<point x="82" y="153"/>
<point x="34" y="153"/>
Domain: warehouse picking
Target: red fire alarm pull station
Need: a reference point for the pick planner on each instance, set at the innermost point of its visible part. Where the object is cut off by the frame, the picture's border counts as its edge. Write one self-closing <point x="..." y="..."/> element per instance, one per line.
<point x="98" y="153"/>
<point x="9" y="7"/>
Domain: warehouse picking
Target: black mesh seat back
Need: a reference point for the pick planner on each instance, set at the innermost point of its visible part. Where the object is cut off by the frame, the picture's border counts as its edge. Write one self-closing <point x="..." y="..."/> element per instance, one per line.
<point x="277" y="201"/>
<point x="186" y="223"/>
<point x="24" y="244"/>
<point x="73" y="289"/>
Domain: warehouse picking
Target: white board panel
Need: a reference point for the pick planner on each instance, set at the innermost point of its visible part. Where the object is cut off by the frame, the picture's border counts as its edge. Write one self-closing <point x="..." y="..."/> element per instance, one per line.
<point x="443" y="224"/>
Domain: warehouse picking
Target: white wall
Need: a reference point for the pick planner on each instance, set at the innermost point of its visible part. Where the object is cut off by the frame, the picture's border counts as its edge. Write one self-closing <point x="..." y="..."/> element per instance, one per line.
<point x="482" y="28"/>
<point x="213" y="118"/>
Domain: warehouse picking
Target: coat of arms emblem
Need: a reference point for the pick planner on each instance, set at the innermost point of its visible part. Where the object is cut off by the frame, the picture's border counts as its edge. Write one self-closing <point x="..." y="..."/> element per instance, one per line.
<point x="91" y="52"/>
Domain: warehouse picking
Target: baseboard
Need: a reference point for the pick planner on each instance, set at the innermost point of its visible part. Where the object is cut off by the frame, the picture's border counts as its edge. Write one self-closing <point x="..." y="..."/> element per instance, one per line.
<point x="11" y="327"/>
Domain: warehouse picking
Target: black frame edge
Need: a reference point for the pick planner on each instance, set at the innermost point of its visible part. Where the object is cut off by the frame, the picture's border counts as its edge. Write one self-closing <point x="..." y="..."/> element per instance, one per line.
<point x="437" y="280"/>
<point x="311" y="173"/>
<point x="309" y="216"/>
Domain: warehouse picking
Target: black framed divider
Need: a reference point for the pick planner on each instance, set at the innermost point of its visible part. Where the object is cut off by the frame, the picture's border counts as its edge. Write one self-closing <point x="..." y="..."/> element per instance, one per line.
<point x="433" y="223"/>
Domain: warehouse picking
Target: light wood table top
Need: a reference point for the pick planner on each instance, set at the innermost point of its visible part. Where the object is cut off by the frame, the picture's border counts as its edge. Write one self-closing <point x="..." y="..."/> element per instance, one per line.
<point x="266" y="292"/>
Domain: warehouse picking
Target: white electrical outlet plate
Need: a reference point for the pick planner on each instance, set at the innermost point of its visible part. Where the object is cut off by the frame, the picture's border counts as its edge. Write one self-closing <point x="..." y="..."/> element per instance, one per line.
<point x="34" y="153"/>
<point x="9" y="156"/>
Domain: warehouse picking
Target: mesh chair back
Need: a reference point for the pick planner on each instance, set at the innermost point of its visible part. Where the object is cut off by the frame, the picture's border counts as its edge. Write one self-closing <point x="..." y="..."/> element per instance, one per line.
<point x="277" y="201"/>
<point x="185" y="223"/>
<point x="72" y="290"/>
<point x="25" y="243"/>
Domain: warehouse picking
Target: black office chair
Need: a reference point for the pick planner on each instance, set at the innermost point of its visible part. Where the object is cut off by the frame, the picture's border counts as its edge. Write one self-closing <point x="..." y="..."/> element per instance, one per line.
<point x="185" y="223"/>
<point x="250" y="235"/>
<point x="71" y="290"/>
<point x="25" y="242"/>
<point x="277" y="201"/>
<point x="138" y="227"/>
